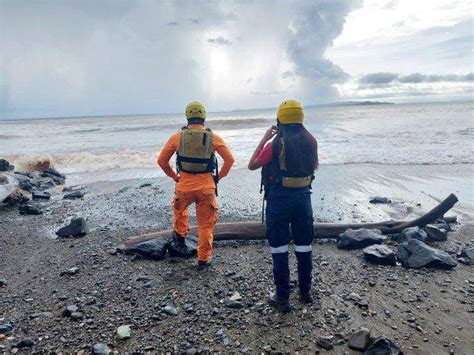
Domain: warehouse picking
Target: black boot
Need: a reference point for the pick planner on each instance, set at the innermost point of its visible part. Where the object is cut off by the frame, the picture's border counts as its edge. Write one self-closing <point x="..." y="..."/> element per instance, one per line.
<point x="306" y="297"/>
<point x="279" y="303"/>
<point x="179" y="239"/>
<point x="203" y="265"/>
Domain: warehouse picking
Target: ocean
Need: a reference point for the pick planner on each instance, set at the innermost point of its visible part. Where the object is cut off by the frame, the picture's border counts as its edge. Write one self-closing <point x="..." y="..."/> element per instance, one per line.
<point x="92" y="149"/>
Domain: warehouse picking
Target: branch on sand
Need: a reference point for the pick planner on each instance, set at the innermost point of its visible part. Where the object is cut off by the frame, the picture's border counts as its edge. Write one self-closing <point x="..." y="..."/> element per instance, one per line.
<point x="256" y="230"/>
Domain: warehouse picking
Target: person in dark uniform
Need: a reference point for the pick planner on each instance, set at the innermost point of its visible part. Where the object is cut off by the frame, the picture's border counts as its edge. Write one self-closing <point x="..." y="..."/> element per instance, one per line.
<point x="288" y="164"/>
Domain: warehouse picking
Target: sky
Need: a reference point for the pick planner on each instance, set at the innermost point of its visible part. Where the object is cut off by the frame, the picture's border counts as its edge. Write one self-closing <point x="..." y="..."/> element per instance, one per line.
<point x="109" y="57"/>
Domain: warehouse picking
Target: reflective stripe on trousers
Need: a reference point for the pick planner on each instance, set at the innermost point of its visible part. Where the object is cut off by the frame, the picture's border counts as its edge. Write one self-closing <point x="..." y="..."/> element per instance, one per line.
<point x="287" y="208"/>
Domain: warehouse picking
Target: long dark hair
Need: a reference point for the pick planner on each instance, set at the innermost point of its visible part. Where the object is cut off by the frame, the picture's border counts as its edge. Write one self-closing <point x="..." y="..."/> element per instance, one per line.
<point x="301" y="148"/>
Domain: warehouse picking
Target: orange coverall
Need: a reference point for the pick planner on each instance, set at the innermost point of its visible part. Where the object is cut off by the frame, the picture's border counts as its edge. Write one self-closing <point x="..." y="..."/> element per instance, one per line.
<point x="196" y="188"/>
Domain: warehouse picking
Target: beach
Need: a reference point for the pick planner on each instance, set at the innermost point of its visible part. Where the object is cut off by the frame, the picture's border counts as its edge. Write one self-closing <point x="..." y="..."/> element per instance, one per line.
<point x="423" y="311"/>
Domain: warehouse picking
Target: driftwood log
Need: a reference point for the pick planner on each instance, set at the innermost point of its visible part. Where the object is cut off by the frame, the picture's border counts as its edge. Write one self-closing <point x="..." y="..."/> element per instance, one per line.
<point x="256" y="230"/>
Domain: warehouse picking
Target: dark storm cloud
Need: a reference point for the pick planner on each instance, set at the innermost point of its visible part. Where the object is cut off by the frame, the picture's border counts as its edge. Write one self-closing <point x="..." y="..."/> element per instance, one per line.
<point x="313" y="31"/>
<point x="88" y="57"/>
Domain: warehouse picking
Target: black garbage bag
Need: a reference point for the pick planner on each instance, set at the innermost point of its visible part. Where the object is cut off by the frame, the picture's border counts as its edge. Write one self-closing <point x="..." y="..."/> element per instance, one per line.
<point x="183" y="247"/>
<point x="153" y="249"/>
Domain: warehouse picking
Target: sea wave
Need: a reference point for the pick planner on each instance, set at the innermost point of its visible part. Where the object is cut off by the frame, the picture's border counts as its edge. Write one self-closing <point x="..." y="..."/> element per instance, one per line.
<point x="221" y="124"/>
<point x="89" y="162"/>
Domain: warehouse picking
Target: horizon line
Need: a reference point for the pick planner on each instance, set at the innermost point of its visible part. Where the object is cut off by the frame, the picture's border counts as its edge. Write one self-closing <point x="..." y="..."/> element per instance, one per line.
<point x="335" y="104"/>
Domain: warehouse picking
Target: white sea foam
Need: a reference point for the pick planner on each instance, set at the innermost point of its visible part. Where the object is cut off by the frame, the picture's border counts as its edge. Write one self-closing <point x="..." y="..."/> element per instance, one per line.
<point x="121" y="147"/>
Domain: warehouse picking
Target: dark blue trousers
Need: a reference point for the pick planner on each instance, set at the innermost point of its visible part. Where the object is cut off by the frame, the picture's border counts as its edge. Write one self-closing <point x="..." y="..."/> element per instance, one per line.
<point x="293" y="207"/>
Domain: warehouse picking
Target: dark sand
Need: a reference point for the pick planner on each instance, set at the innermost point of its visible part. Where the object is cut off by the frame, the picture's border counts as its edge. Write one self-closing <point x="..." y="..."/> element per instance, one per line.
<point x="424" y="311"/>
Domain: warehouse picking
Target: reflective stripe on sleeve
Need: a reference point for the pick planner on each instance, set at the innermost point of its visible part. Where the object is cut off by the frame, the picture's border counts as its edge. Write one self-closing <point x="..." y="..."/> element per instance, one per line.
<point x="302" y="248"/>
<point x="282" y="249"/>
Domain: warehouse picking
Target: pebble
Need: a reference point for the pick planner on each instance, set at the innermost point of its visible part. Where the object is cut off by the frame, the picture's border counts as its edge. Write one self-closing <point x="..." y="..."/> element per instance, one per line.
<point x="124" y="332"/>
<point x="170" y="310"/>
<point x="101" y="349"/>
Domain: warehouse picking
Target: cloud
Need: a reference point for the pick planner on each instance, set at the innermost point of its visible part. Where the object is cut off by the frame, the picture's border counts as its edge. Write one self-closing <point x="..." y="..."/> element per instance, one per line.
<point x="220" y="41"/>
<point x="423" y="78"/>
<point x="380" y="79"/>
<point x="312" y="32"/>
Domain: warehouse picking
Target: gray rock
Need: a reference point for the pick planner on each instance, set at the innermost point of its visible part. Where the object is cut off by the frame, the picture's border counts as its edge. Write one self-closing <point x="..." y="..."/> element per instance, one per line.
<point x="124" y="332"/>
<point x="230" y="303"/>
<point x="77" y="315"/>
<point x="379" y="199"/>
<point x="383" y="346"/>
<point x="30" y="209"/>
<point x="4" y="165"/>
<point x="73" y="195"/>
<point x="3" y="282"/>
<point x="40" y="195"/>
<point x="466" y="256"/>
<point x="77" y="228"/>
<point x="326" y="342"/>
<point x="5" y="328"/>
<point x="3" y="180"/>
<point x="412" y="233"/>
<point x="359" y="238"/>
<point x="70" y="310"/>
<point x="101" y="349"/>
<point x="53" y="173"/>
<point x="153" y="249"/>
<point x="380" y="254"/>
<point x="25" y="343"/>
<point x="436" y="233"/>
<point x="25" y="184"/>
<point x="415" y="254"/>
<point x="71" y="271"/>
<point x="360" y="339"/>
<point x="10" y="195"/>
<point x="170" y="310"/>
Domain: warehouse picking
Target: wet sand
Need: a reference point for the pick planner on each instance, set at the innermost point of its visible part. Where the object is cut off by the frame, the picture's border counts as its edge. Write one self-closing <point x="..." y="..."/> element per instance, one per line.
<point x="424" y="311"/>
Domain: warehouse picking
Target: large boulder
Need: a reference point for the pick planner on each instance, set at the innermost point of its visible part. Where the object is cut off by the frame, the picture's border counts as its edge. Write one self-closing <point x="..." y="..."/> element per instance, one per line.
<point x="436" y="233"/>
<point x="383" y="346"/>
<point x="415" y="254"/>
<point x="53" y="172"/>
<point x="177" y="248"/>
<point x="54" y="175"/>
<point x="359" y="340"/>
<point x="466" y="256"/>
<point x="11" y="195"/>
<point x="359" y="238"/>
<point x="412" y="233"/>
<point x="153" y="249"/>
<point x="77" y="228"/>
<point x="380" y="254"/>
<point x="40" y="195"/>
<point x="4" y="165"/>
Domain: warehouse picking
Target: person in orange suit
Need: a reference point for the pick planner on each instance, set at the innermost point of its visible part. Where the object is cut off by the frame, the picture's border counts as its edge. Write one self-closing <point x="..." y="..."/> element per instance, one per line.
<point x="195" y="147"/>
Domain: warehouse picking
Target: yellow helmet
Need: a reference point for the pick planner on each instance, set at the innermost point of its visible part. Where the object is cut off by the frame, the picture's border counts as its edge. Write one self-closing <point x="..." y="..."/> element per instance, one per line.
<point x="290" y="111"/>
<point x="195" y="109"/>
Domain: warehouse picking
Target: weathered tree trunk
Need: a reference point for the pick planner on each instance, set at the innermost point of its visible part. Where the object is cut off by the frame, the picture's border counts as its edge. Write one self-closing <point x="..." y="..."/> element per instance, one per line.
<point x="256" y="230"/>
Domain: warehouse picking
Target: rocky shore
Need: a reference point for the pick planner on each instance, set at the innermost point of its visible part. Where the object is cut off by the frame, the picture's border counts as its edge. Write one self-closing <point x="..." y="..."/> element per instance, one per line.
<point x="78" y="294"/>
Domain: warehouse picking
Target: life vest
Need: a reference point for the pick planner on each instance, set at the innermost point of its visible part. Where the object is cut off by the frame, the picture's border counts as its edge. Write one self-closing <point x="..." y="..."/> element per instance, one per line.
<point x="195" y="154"/>
<point x="276" y="173"/>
